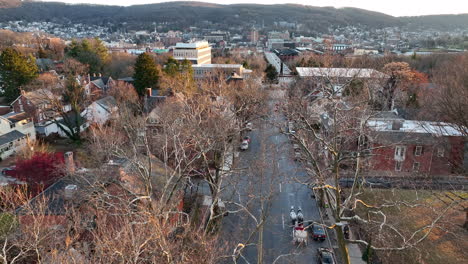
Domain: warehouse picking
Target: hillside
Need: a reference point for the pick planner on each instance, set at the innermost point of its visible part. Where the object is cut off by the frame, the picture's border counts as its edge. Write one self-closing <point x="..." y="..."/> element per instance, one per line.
<point x="184" y="14"/>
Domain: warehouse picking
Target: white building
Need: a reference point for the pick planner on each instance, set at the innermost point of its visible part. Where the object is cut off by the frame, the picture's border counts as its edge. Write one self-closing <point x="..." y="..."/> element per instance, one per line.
<point x="15" y="130"/>
<point x="197" y="52"/>
<point x="206" y="70"/>
<point x="100" y="111"/>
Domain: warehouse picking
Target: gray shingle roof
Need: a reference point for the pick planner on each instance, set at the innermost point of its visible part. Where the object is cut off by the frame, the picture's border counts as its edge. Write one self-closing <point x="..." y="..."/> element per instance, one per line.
<point x="10" y="136"/>
<point x="107" y="103"/>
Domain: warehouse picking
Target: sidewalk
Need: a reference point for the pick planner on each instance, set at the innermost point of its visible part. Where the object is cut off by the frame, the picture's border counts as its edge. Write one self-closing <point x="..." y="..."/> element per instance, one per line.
<point x="354" y="252"/>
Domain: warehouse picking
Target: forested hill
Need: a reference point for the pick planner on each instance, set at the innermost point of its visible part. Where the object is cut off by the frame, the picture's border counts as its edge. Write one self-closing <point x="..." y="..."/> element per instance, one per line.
<point x="184" y="14"/>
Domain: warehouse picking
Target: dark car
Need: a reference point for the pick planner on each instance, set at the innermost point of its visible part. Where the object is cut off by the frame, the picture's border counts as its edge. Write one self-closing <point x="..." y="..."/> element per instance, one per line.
<point x="325" y="256"/>
<point x="318" y="233"/>
<point x="9" y="171"/>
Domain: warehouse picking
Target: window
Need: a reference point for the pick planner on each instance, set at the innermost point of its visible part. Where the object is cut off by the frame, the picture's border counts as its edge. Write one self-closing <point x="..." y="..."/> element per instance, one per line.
<point x="416" y="166"/>
<point x="398" y="166"/>
<point x="400" y="152"/>
<point x="12" y="125"/>
<point x="418" y="150"/>
<point x="440" y="152"/>
<point x="21" y="107"/>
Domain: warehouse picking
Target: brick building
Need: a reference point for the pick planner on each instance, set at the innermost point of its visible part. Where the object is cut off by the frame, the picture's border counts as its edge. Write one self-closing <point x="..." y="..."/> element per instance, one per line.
<point x="410" y="148"/>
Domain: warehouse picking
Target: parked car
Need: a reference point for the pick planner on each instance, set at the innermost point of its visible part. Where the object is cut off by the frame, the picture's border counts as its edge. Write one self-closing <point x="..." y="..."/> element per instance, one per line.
<point x="244" y="145"/>
<point x="291" y="128"/>
<point x="11" y="171"/>
<point x="297" y="155"/>
<point x="325" y="256"/>
<point x="318" y="233"/>
<point x="247" y="138"/>
<point x="249" y="126"/>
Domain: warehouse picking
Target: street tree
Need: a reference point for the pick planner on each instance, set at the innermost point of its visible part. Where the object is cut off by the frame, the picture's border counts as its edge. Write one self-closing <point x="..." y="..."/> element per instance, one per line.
<point x="16" y="71"/>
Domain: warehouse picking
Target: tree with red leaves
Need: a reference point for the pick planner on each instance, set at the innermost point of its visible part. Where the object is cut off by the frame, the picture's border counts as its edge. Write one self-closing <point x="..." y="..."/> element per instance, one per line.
<point x="41" y="169"/>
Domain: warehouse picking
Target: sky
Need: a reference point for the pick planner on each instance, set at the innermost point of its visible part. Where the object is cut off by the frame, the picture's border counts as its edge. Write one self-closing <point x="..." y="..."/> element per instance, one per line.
<point x="391" y="7"/>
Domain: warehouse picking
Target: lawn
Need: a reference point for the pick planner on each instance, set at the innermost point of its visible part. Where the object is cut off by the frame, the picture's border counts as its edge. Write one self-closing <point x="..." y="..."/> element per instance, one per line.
<point x="447" y="243"/>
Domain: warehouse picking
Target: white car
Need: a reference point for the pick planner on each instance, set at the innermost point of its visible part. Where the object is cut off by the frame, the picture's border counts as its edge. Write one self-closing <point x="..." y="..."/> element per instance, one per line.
<point x="291" y="127"/>
<point x="249" y="126"/>
<point x="244" y="145"/>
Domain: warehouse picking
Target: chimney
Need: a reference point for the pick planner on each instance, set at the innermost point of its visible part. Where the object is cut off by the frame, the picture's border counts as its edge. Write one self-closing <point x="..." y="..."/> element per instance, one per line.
<point x="149" y="92"/>
<point x="396" y="125"/>
<point x="70" y="191"/>
<point x="69" y="162"/>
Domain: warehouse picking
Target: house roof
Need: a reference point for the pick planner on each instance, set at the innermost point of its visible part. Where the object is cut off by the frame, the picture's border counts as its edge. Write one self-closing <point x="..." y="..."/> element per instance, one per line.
<point x="37" y="97"/>
<point x="414" y="126"/>
<point x="107" y="103"/>
<point x="339" y="72"/>
<point x="11" y="136"/>
<point x="100" y="82"/>
<point x="54" y="196"/>
<point x="127" y="79"/>
<point x="58" y="203"/>
<point x="15" y="117"/>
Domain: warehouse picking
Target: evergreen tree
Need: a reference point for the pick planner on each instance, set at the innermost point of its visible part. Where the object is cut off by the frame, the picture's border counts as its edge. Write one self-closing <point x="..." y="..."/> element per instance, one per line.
<point x="90" y="52"/>
<point x="271" y="73"/>
<point x="171" y="67"/>
<point x="16" y="70"/>
<point x="146" y="73"/>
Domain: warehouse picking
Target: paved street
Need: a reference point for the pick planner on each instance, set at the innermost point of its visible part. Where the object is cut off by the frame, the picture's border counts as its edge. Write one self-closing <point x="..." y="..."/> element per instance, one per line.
<point x="268" y="168"/>
<point x="276" y="62"/>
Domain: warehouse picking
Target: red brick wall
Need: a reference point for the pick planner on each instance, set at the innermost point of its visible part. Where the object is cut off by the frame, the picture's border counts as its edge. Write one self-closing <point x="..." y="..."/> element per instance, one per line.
<point x="28" y="108"/>
<point x="383" y="163"/>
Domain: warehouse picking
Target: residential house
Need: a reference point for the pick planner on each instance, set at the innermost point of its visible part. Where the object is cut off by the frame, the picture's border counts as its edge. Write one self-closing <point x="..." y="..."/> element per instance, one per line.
<point x="38" y="105"/>
<point x="402" y="147"/>
<point x="116" y="187"/>
<point x="102" y="110"/>
<point x="152" y="99"/>
<point x="97" y="86"/>
<point x="15" y="130"/>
